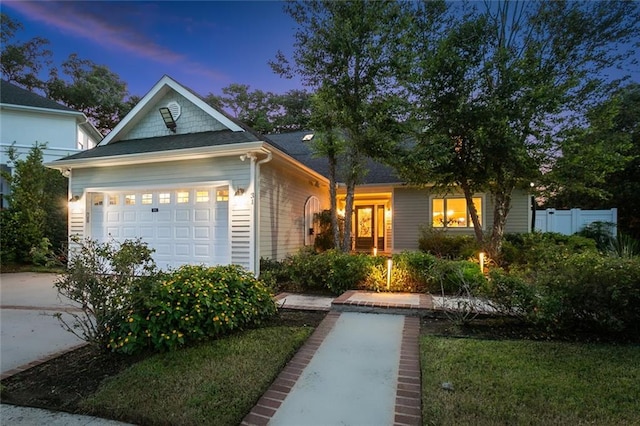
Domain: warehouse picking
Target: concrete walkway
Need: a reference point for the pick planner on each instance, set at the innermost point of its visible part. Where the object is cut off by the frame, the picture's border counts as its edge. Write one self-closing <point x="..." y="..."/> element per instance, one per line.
<point x="356" y="369"/>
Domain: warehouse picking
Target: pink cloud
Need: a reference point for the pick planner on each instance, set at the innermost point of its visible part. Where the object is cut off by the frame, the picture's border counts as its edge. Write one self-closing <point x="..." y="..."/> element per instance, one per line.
<point x="80" y="23"/>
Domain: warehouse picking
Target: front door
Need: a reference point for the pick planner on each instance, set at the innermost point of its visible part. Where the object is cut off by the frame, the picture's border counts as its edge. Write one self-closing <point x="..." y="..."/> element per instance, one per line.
<point x="364" y="227"/>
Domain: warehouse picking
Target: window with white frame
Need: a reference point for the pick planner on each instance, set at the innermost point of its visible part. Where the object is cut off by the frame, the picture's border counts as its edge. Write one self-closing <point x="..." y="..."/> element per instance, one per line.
<point x="452" y="212"/>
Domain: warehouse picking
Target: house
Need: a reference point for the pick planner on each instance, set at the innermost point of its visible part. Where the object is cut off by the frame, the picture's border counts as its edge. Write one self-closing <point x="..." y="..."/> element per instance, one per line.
<point x="200" y="187"/>
<point x="27" y="118"/>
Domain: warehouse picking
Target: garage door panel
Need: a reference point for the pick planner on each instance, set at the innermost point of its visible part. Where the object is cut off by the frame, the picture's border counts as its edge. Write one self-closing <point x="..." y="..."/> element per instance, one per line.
<point x="183" y="215"/>
<point x="182" y="232"/>
<point x="201" y="232"/>
<point x="193" y="232"/>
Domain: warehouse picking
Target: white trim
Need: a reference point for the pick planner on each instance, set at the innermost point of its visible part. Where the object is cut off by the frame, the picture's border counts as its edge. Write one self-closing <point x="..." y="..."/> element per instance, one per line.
<point x="156" y="187"/>
<point x="159" y="156"/>
<point x="157" y="91"/>
<point x="41" y="110"/>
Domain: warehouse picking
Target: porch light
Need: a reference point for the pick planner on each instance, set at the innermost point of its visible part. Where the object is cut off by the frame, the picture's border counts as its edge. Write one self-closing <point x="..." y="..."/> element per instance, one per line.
<point x="74" y="199"/>
<point x="239" y="192"/>
<point x="168" y="119"/>
<point x="389" y="266"/>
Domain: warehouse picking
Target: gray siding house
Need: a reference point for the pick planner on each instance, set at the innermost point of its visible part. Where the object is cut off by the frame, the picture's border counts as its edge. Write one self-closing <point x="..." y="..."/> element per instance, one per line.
<point x="200" y="187"/>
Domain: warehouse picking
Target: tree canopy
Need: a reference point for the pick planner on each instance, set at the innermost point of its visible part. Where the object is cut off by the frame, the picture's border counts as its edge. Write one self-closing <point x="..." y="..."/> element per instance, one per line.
<point x="491" y="89"/>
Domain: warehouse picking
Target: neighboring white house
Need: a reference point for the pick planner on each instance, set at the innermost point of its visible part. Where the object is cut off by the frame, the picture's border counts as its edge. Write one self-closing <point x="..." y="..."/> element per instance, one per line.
<point x="201" y="187"/>
<point x="27" y="118"/>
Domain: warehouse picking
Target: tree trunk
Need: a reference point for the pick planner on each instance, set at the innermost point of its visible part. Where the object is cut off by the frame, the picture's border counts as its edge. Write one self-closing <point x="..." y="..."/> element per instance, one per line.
<point x="501" y="207"/>
<point x="334" y="201"/>
<point x="348" y="215"/>
<point x="477" y="226"/>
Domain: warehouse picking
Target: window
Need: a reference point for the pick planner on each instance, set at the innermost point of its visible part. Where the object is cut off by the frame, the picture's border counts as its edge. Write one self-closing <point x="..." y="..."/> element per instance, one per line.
<point x="164" y="198"/>
<point x="147" y="198"/>
<point x="222" y="195"/>
<point x="311" y="208"/>
<point x="130" y="199"/>
<point x="453" y="212"/>
<point x="113" y="200"/>
<point x="98" y="199"/>
<point x="202" y="196"/>
<point x="182" y="197"/>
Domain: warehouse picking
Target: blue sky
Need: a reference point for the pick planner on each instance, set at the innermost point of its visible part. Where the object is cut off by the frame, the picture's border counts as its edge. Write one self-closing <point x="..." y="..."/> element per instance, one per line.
<point x="205" y="45"/>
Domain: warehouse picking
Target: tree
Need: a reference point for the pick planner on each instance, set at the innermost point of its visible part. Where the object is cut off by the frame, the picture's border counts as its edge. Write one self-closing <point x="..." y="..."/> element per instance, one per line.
<point x="345" y="51"/>
<point x="37" y="207"/>
<point x="600" y="164"/>
<point x="265" y="112"/>
<point x="491" y="89"/>
<point x="22" y="62"/>
<point x="93" y="89"/>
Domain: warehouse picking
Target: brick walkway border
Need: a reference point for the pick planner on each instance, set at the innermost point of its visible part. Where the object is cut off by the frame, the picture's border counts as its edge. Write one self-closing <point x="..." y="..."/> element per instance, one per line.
<point x="425" y="302"/>
<point x="267" y="405"/>
<point x="408" y="391"/>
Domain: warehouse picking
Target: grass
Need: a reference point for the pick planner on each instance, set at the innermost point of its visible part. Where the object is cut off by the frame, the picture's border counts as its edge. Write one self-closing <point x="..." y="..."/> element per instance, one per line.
<point x="525" y="382"/>
<point x="215" y="383"/>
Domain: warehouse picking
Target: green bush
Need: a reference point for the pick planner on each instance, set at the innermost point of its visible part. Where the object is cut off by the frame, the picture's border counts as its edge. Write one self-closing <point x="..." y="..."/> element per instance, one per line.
<point x="194" y="303"/>
<point x="106" y="280"/>
<point x="590" y="292"/>
<point x="600" y="232"/>
<point x="449" y="276"/>
<point x="529" y="250"/>
<point x="510" y="294"/>
<point x="440" y="244"/>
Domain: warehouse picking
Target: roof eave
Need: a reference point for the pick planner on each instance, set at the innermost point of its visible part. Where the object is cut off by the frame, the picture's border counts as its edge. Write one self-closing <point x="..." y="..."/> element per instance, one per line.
<point x="158" y="157"/>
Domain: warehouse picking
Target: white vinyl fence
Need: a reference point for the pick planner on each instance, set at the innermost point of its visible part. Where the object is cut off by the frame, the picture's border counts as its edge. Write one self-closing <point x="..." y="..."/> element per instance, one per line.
<point x="571" y="221"/>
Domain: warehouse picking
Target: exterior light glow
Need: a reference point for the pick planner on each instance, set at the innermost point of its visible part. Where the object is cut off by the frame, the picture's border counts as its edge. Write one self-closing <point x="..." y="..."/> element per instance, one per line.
<point x="389" y="266"/>
<point x="375" y="251"/>
<point x="481" y="257"/>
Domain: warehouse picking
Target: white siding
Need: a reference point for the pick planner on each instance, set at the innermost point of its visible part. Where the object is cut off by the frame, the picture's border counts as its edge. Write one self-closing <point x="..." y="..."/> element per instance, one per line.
<point x="283" y="194"/>
<point x="58" y="131"/>
<point x="192" y="120"/>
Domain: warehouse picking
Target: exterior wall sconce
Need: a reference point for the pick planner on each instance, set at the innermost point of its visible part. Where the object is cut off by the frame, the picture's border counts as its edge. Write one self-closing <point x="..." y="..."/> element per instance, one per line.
<point x="167" y="117"/>
<point x="239" y="192"/>
<point x="74" y="199"/>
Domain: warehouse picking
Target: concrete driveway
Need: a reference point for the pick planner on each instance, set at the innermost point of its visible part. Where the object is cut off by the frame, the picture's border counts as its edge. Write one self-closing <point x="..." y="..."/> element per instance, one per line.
<point x="29" y="333"/>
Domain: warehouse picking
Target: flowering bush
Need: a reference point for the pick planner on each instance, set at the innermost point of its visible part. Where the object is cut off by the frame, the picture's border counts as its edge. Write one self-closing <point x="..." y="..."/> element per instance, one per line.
<point x="194" y="303"/>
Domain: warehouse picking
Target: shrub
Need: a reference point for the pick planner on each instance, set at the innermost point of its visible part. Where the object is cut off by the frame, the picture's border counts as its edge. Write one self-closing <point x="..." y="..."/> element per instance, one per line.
<point x="106" y="280"/>
<point x="450" y="276"/>
<point x="529" y="250"/>
<point x="590" y="292"/>
<point x="194" y="303"/>
<point x="510" y="294"/>
<point x="324" y="238"/>
<point x="624" y="246"/>
<point x="600" y="232"/>
<point x="440" y="244"/>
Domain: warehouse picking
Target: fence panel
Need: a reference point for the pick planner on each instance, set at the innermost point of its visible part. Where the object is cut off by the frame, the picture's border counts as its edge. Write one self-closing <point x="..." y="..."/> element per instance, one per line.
<point x="571" y="221"/>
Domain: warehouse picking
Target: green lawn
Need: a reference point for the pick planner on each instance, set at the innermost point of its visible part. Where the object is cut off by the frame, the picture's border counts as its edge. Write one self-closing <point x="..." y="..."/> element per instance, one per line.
<point x="215" y="383"/>
<point x="525" y="382"/>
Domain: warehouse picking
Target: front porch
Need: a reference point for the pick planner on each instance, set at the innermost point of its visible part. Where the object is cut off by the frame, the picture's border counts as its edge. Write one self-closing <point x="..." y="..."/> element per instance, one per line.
<point x="371" y="223"/>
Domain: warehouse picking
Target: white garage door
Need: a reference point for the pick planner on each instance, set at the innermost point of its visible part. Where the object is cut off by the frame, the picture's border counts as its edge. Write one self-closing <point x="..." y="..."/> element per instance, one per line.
<point x="183" y="226"/>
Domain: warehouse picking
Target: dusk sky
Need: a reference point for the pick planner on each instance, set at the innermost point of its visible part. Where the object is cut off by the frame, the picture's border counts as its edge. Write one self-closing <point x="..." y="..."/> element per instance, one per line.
<point x="205" y="45"/>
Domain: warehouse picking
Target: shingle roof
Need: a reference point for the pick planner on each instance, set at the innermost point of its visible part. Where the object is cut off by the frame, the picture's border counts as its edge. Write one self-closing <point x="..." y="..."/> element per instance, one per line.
<point x="14" y="95"/>
<point x="302" y="151"/>
<point x="166" y="143"/>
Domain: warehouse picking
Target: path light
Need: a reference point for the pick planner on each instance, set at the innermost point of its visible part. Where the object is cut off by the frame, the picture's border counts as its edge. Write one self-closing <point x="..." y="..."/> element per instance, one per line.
<point x="375" y="251"/>
<point x="389" y="266"/>
<point x="481" y="257"/>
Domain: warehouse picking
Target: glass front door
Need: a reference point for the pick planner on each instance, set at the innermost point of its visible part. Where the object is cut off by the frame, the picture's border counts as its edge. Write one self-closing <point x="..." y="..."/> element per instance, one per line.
<point x="364" y="228"/>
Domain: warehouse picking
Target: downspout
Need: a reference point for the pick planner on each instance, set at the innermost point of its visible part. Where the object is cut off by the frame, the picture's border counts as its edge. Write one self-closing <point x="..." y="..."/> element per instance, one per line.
<point x="256" y="206"/>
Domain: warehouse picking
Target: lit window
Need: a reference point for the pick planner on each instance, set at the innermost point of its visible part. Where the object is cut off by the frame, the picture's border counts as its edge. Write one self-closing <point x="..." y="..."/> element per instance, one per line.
<point x="222" y="195"/>
<point x="164" y="198"/>
<point x="113" y="200"/>
<point x="130" y="199"/>
<point x="147" y="198"/>
<point x="183" y="197"/>
<point x="453" y="212"/>
<point x="202" y="196"/>
<point x="98" y="199"/>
